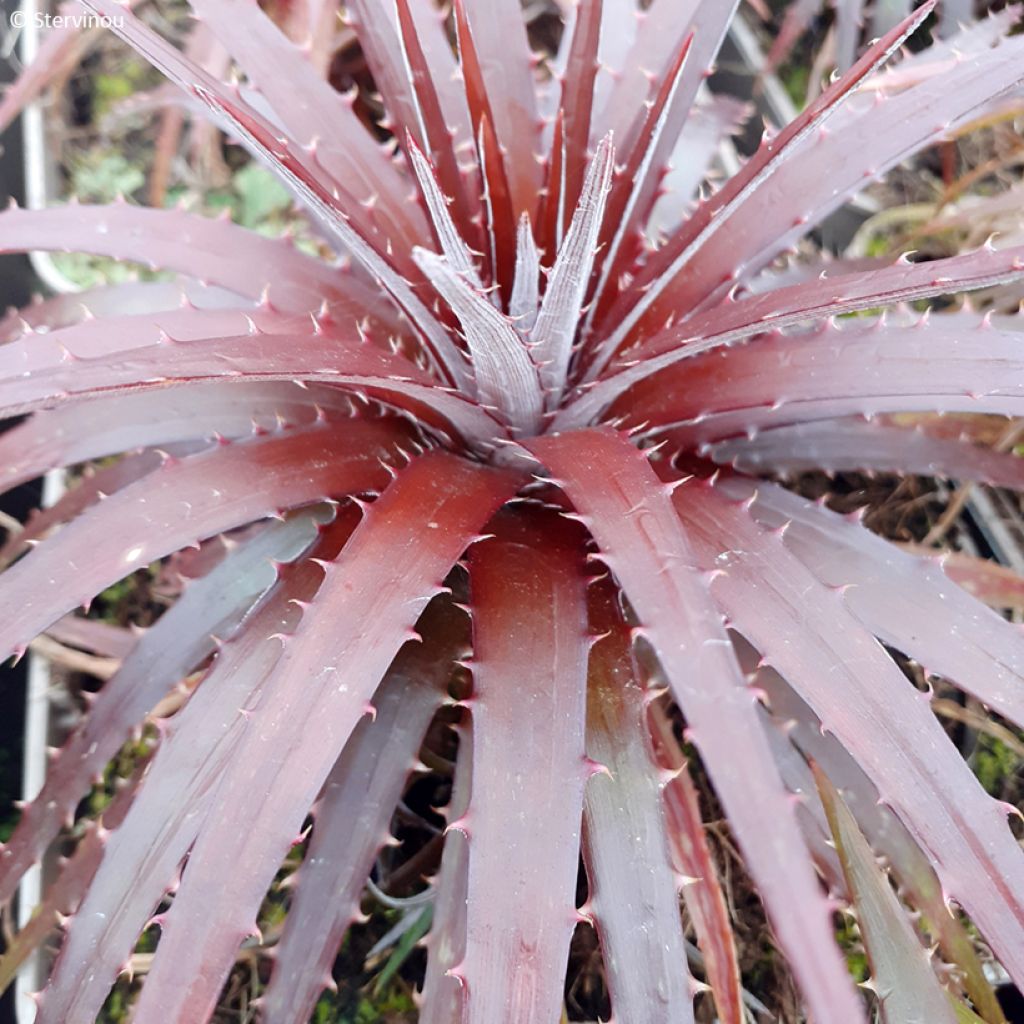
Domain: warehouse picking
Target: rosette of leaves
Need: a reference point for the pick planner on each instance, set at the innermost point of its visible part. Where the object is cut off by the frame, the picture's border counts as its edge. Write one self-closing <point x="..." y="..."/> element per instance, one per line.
<point x="501" y="431"/>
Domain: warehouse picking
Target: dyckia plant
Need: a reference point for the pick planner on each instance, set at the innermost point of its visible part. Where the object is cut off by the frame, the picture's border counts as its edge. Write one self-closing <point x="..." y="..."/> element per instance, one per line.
<point x="502" y="432"/>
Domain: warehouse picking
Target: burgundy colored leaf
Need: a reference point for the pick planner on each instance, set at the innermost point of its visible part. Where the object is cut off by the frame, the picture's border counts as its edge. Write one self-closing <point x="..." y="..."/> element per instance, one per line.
<point x="529" y="607"/>
<point x="906" y="602"/>
<point x="304" y="715"/>
<point x="506" y="75"/>
<point x="96" y="485"/>
<point x="579" y="78"/>
<point x="315" y="114"/>
<point x="376" y="24"/>
<point x="551" y="222"/>
<point x="56" y="373"/>
<point x="625" y="844"/>
<point x="655" y="48"/>
<point x="333" y="213"/>
<point x="839" y="445"/>
<point x="70" y="885"/>
<point x="805" y="631"/>
<point x="620" y="225"/>
<point x="59" y="437"/>
<point x="446" y="943"/>
<point x="353" y="814"/>
<point x="703" y="893"/>
<point x="437" y="138"/>
<point x="883" y="829"/>
<point x="629" y="513"/>
<point x="867" y="137"/>
<point x="209" y="607"/>
<point x="429" y="26"/>
<point x="186" y="501"/>
<point x="955" y="365"/>
<point x="215" y="251"/>
<point x="196" y="751"/>
<point x="828" y="297"/>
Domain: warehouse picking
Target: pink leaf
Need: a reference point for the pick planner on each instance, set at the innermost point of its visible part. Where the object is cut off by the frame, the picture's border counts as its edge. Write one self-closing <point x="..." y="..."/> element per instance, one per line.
<point x="334" y="214"/>
<point x="65" y="892"/>
<point x="840" y="445"/>
<point x="867" y="137"/>
<point x="529" y="608"/>
<point x="180" y="640"/>
<point x="64" y="437"/>
<point x="129" y="298"/>
<point x="579" y="79"/>
<point x="625" y="844"/>
<point x="436" y="92"/>
<point x="702" y="893"/>
<point x="313" y="111"/>
<point x="95" y="486"/>
<point x="629" y="513"/>
<point x="849" y="371"/>
<point x="907" y="602"/>
<point x="806" y="632"/>
<point x="884" y="830"/>
<point x="58" y="373"/>
<point x="499" y="36"/>
<point x="217" y="251"/>
<point x="353" y="814"/>
<point x="184" y="502"/>
<point x="620" y="226"/>
<point x="196" y="751"/>
<point x="446" y="943"/>
<point x="294" y="733"/>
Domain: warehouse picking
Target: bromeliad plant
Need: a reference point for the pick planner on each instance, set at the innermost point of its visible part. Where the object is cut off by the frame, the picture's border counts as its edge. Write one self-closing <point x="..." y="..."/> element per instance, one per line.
<point x="487" y="435"/>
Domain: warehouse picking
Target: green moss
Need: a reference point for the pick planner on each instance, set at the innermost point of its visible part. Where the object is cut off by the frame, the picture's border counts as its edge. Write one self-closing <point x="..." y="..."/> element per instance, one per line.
<point x="109" y="604"/>
<point x="993" y="763"/>
<point x="796" y="77"/>
<point x="849" y="941"/>
<point x="878" y="246"/>
<point x="101" y="175"/>
<point x="117" y="1008"/>
<point x="262" y="199"/>
<point x="110" y="88"/>
<point x="392" y="1007"/>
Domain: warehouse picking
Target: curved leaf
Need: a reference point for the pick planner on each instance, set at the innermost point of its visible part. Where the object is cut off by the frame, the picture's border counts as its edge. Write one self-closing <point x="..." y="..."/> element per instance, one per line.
<point x="903" y="977"/>
<point x="186" y="501"/>
<point x="302" y="718"/>
<point x="209" y="607"/>
<point x="528" y="602"/>
<point x="804" y="630"/>
<point x="625" y="846"/>
<point x="629" y="512"/>
<point x="353" y="814"/>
